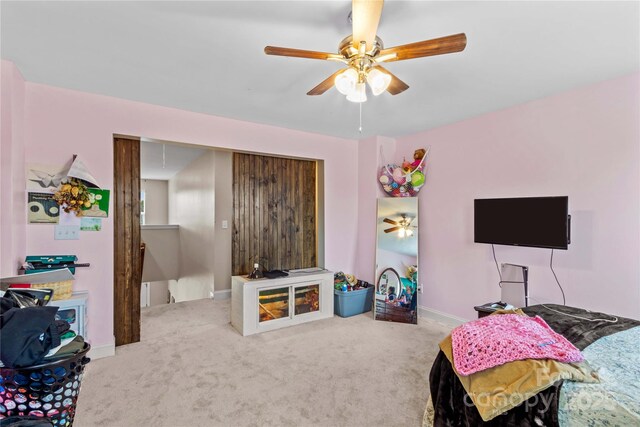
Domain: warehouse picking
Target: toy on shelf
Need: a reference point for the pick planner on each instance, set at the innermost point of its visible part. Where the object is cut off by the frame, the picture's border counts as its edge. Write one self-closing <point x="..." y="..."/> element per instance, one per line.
<point x="405" y="180"/>
<point x="348" y="282"/>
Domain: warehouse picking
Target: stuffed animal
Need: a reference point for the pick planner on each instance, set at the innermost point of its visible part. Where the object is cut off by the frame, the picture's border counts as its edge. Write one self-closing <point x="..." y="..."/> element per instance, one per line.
<point x="418" y="155"/>
<point x="340" y="281"/>
<point x="351" y="279"/>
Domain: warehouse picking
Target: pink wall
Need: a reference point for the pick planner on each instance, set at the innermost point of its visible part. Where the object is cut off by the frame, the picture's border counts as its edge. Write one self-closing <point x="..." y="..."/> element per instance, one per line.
<point x="584" y="144"/>
<point x="64" y="122"/>
<point x="371" y="152"/>
<point x="13" y="216"/>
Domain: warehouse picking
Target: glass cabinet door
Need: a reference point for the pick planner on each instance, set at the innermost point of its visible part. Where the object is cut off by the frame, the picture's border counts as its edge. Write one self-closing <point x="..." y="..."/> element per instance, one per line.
<point x="307" y="299"/>
<point x="273" y="304"/>
<point x="68" y="314"/>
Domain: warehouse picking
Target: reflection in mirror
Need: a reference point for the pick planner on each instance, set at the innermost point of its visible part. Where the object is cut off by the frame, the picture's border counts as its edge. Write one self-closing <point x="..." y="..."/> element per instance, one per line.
<point x="397" y="260"/>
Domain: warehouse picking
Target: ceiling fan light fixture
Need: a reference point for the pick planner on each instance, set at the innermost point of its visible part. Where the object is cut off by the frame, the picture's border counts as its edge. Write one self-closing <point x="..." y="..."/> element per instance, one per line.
<point x="378" y="81"/>
<point x="358" y="94"/>
<point x="346" y="82"/>
<point x="401" y="232"/>
<point x="363" y="51"/>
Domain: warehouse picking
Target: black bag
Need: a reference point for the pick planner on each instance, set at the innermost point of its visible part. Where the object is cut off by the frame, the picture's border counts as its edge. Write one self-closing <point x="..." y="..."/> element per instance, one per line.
<point x="26" y="421"/>
<point x="274" y="274"/>
<point x="27" y="334"/>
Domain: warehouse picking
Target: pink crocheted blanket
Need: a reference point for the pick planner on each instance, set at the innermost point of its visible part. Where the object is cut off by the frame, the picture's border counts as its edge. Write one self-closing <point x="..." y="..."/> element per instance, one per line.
<point x="496" y="340"/>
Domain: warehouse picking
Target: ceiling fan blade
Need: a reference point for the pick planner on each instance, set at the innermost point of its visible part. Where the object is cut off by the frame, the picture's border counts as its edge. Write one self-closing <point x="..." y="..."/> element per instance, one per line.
<point x="390" y="221"/>
<point x="440" y="46"/>
<point x="299" y="53"/>
<point x="365" y="17"/>
<point x="325" y="85"/>
<point x="392" y="229"/>
<point x="396" y="86"/>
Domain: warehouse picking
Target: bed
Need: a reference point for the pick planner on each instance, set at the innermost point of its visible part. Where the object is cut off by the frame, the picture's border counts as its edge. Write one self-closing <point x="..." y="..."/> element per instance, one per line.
<point x="611" y="350"/>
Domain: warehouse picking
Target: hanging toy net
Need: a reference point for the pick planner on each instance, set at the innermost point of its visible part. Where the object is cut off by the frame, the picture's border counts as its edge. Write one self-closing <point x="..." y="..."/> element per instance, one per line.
<point x="405" y="180"/>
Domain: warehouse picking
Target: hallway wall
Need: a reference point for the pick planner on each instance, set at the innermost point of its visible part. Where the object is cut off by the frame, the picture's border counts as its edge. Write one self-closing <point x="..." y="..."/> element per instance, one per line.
<point x="192" y="207"/>
<point x="223" y="212"/>
<point x="156" y="210"/>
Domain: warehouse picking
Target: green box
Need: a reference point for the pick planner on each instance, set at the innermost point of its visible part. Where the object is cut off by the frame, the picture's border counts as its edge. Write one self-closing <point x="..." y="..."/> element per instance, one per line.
<point x="50" y="262"/>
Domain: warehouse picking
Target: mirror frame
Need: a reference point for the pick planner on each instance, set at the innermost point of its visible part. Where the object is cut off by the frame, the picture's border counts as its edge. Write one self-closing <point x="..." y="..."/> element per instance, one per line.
<point x="397" y="315"/>
<point x="399" y="287"/>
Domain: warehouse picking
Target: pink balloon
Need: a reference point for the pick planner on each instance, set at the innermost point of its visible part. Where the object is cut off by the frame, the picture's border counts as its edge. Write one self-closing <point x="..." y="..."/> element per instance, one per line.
<point x="398" y="176"/>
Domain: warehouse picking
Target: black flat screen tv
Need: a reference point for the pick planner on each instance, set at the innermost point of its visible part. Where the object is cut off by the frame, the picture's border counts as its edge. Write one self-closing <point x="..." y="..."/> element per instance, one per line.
<point x="539" y="222"/>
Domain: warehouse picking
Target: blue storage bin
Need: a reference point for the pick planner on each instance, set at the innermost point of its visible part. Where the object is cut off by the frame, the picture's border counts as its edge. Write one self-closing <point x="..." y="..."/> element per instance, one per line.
<point x="347" y="304"/>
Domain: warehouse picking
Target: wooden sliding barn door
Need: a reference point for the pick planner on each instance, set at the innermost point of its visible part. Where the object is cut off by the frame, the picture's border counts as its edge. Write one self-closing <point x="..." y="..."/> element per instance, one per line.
<point x="274" y="208"/>
<point x="127" y="270"/>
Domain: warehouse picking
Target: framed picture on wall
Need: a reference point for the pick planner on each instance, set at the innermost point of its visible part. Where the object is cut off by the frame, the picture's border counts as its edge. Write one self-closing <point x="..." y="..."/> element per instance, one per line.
<point x="99" y="203"/>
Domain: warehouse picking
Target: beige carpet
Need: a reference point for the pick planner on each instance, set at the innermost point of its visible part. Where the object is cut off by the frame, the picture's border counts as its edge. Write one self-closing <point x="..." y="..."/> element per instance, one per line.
<point x="193" y="369"/>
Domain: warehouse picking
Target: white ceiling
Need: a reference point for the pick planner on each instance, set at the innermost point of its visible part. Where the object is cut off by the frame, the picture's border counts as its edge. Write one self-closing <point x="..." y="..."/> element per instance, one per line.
<point x="208" y="56"/>
<point x="176" y="158"/>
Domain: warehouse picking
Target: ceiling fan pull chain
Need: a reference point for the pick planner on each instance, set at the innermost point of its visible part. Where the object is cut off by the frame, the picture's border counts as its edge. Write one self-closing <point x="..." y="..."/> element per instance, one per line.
<point x="360" y="128"/>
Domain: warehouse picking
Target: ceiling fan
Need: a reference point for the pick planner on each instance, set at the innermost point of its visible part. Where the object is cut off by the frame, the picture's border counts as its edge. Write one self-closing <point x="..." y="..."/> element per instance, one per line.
<point x="363" y="52"/>
<point x="403" y="227"/>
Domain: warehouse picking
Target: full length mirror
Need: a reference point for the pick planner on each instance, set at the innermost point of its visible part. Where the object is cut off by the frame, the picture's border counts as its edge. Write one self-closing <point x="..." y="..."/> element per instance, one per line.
<point x="397" y="260"/>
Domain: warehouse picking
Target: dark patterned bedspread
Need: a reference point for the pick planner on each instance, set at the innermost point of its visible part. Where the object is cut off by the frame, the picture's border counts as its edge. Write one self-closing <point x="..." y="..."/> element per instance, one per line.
<point x="454" y="408"/>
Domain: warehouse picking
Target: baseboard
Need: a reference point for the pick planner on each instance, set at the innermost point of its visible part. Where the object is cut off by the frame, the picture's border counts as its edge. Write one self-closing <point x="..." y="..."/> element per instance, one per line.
<point x="106" y="350"/>
<point x="438" y="316"/>
<point x="225" y="294"/>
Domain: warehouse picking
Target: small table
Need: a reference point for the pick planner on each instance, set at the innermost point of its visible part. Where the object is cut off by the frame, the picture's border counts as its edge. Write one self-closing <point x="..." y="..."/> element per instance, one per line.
<point x="486" y="309"/>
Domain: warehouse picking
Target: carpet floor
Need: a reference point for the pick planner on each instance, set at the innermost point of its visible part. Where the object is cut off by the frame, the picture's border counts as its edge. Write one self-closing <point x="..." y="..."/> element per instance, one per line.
<point x="191" y="368"/>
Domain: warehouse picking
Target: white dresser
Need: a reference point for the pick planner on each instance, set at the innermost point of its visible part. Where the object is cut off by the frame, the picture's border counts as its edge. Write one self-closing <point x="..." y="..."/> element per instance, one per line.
<point x="267" y="304"/>
<point x="74" y="311"/>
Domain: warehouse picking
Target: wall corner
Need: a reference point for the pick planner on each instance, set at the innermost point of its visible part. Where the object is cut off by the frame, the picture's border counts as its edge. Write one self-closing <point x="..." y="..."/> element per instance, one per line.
<point x="12" y="170"/>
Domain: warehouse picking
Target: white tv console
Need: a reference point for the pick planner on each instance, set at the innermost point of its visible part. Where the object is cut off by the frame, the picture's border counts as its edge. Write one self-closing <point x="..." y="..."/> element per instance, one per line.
<point x="266" y="304"/>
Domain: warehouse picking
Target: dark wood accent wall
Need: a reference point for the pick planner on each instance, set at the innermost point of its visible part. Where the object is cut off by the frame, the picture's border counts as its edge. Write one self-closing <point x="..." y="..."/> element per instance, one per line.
<point x="274" y="205"/>
<point x="126" y="238"/>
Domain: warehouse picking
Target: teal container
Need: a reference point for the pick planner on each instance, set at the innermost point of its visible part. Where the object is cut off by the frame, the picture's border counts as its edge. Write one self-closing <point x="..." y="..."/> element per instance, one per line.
<point x="346" y="304"/>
